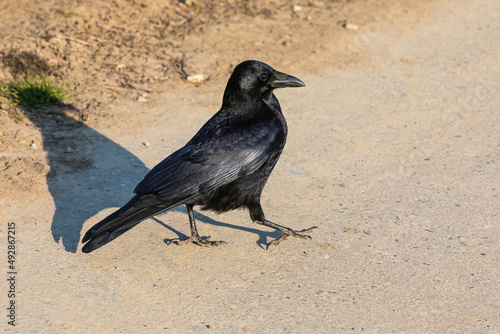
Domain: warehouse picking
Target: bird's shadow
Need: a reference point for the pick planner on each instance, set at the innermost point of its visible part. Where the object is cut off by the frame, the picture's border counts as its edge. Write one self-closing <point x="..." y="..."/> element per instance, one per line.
<point x="199" y="217"/>
<point x="89" y="173"/>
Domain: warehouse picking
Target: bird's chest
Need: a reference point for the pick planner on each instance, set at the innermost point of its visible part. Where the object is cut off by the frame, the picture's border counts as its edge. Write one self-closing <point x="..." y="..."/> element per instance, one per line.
<point x="245" y="190"/>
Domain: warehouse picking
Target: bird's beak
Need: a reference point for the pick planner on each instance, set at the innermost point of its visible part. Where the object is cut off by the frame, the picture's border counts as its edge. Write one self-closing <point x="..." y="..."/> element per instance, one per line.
<point x="281" y="80"/>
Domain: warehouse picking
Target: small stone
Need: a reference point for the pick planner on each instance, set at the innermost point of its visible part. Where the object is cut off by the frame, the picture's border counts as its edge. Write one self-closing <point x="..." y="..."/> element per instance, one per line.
<point x="196" y="78"/>
<point x="350" y="26"/>
<point x="141" y="99"/>
<point x="33" y="146"/>
<point x="296" y="8"/>
<point x="319" y="4"/>
<point x="146" y="144"/>
<point x="68" y="150"/>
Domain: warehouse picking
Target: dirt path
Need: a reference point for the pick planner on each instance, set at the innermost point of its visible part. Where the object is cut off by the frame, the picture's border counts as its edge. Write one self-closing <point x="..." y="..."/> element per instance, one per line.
<point x="394" y="157"/>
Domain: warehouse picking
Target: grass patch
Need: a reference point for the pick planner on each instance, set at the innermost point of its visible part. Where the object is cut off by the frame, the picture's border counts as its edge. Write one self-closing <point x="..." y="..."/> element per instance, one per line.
<point x="35" y="92"/>
<point x="18" y="117"/>
<point x="4" y="92"/>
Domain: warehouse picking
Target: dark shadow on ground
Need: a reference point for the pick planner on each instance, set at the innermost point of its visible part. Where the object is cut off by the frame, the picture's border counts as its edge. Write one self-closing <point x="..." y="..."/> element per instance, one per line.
<point x="88" y="171"/>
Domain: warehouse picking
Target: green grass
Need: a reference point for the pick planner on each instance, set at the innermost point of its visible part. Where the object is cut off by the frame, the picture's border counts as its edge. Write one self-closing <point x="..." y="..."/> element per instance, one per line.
<point x="18" y="117"/>
<point x="4" y="92"/>
<point x="65" y="13"/>
<point x="35" y="92"/>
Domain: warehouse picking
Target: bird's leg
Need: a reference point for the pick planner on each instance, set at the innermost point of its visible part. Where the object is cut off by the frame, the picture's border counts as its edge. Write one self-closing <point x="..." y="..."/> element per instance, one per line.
<point x="257" y="215"/>
<point x="195" y="237"/>
<point x="287" y="232"/>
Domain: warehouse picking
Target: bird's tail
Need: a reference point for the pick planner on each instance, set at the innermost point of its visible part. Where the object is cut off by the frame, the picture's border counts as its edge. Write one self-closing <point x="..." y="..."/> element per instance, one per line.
<point x="120" y="221"/>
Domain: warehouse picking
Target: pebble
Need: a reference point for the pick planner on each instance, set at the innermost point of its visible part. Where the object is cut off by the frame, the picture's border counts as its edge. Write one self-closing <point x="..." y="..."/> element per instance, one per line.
<point x="319" y="4"/>
<point x="296" y="8"/>
<point x="33" y="146"/>
<point x="196" y="78"/>
<point x="350" y="26"/>
<point x="141" y="99"/>
<point x="146" y="144"/>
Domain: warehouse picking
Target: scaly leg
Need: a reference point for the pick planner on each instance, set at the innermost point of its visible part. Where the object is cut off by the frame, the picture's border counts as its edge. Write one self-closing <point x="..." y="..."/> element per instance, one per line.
<point x="257" y="215"/>
<point x="195" y="237"/>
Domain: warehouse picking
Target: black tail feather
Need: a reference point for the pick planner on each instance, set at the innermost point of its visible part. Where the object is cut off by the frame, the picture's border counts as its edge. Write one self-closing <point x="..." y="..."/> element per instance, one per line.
<point x="107" y="236"/>
<point x="120" y="221"/>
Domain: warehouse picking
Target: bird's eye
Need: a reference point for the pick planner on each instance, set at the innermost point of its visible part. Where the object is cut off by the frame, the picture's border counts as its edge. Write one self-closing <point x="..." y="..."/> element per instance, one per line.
<point x="263" y="77"/>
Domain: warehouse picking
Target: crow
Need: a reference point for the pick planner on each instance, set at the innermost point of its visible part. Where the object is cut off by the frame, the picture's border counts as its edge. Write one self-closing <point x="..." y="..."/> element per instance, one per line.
<point x="223" y="167"/>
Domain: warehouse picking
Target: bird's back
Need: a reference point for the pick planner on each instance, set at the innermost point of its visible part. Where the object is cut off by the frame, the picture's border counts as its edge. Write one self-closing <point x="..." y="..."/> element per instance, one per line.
<point x="266" y="130"/>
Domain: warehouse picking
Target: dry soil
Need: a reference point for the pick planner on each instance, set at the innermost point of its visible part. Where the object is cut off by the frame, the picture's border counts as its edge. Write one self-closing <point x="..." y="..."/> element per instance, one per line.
<point x="393" y="153"/>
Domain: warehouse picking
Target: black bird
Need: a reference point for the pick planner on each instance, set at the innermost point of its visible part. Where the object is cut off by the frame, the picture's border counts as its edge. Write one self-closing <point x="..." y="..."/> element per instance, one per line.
<point x="223" y="167"/>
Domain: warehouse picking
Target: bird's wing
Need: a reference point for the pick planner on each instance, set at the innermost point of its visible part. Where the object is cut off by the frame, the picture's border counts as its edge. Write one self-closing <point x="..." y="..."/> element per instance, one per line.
<point x="209" y="161"/>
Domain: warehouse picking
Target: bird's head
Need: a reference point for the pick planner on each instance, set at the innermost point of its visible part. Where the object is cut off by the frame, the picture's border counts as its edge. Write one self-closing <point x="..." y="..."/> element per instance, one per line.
<point x="255" y="79"/>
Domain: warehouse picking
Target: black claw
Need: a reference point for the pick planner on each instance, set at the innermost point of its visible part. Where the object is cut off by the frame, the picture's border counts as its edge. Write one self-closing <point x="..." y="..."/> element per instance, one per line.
<point x="200" y="241"/>
<point x="292" y="233"/>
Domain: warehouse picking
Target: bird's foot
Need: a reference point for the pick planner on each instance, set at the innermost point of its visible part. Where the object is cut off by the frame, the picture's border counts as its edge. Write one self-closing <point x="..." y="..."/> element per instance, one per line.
<point x="291" y="233"/>
<point x="196" y="239"/>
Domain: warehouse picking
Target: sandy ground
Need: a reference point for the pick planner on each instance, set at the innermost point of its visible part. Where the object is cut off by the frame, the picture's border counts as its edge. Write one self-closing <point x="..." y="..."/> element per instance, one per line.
<point x="394" y="156"/>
